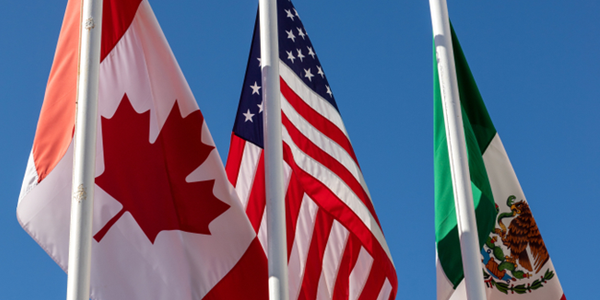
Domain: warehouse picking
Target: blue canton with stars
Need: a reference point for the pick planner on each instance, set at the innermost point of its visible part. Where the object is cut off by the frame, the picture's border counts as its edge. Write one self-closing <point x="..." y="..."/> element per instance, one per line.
<point x="297" y="52"/>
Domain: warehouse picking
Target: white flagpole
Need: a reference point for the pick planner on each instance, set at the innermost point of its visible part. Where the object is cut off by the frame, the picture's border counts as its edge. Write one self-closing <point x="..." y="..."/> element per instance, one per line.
<point x="276" y="226"/>
<point x="82" y="202"/>
<point x="457" y="149"/>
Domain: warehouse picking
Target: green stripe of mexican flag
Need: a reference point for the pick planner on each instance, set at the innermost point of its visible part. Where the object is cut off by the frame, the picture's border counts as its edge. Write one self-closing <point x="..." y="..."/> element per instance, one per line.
<point x="512" y="264"/>
<point x="479" y="132"/>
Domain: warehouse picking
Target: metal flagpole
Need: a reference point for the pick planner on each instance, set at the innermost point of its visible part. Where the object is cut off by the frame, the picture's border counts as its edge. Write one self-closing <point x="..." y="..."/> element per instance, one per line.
<point x="457" y="149"/>
<point x="276" y="226"/>
<point x="82" y="202"/>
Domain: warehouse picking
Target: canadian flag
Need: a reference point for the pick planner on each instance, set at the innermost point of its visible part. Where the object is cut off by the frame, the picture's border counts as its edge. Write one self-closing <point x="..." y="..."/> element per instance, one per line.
<point x="167" y="224"/>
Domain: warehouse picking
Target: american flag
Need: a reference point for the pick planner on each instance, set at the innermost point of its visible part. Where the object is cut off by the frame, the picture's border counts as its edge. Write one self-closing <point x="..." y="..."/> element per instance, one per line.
<point x="336" y="248"/>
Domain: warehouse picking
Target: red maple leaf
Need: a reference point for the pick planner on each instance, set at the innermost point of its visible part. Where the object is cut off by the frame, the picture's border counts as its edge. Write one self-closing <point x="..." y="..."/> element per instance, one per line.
<point x="148" y="179"/>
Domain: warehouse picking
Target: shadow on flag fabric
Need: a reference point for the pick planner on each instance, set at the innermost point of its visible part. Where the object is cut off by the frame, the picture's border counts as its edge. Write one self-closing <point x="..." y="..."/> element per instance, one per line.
<point x="167" y="223"/>
<point x="515" y="261"/>
<point x="336" y="247"/>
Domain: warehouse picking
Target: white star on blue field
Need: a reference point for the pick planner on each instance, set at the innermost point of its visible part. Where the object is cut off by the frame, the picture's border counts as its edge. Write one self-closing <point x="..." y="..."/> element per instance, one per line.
<point x="536" y="65"/>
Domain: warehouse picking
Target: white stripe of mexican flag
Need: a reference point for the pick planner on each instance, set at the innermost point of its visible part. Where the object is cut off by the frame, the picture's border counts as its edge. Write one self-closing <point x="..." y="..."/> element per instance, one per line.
<point x="513" y="264"/>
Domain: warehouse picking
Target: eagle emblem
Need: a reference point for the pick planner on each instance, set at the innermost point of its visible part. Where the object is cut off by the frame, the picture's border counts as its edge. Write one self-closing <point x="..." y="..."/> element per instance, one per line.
<point x="515" y="253"/>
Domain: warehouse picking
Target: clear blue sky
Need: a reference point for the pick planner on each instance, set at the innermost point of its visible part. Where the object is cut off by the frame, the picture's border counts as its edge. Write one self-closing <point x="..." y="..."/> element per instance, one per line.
<point x="536" y="65"/>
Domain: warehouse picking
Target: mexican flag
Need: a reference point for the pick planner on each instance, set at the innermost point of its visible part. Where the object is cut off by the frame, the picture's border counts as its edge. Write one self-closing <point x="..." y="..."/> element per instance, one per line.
<point x="515" y="261"/>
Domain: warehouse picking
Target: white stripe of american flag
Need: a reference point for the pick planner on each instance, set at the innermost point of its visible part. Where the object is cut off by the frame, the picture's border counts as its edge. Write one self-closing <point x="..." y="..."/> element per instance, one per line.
<point x="360" y="273"/>
<point x="385" y="291"/>
<point x="245" y="182"/>
<point x="331" y="260"/>
<point x="300" y="247"/>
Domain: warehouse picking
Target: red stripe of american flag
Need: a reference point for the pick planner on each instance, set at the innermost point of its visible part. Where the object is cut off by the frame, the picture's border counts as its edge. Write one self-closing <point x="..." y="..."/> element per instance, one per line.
<point x="234" y="158"/>
<point x="293" y="201"/>
<point x="257" y="199"/>
<point x="342" y="284"/>
<point x="314" y="266"/>
<point x="374" y="282"/>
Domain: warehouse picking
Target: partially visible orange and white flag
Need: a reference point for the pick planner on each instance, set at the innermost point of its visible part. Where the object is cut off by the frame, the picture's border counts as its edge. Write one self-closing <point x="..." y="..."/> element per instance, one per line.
<point x="167" y="224"/>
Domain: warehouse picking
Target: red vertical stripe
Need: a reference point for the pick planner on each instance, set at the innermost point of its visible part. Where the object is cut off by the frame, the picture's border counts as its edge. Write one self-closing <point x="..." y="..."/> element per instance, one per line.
<point x="314" y="260"/>
<point x="374" y="282"/>
<point x="293" y="201"/>
<point x="341" y="291"/>
<point x="257" y="199"/>
<point x="57" y="119"/>
<point x="234" y="159"/>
